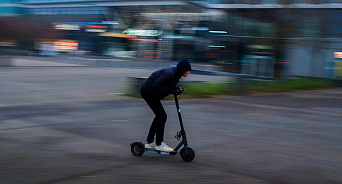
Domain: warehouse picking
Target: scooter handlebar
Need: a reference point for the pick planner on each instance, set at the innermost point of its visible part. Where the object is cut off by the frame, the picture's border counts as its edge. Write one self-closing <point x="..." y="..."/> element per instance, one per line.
<point x="179" y="90"/>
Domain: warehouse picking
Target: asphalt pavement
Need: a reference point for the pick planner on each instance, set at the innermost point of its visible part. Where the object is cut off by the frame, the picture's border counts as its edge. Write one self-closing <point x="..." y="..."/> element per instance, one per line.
<point x="71" y="124"/>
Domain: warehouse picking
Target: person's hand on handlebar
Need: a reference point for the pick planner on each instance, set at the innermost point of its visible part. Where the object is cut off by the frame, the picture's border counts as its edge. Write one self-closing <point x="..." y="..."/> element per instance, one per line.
<point x="178" y="90"/>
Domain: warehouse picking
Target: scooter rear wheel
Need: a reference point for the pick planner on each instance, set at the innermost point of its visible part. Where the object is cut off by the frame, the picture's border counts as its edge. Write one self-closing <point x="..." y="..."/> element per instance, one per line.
<point x="137" y="148"/>
<point x="187" y="154"/>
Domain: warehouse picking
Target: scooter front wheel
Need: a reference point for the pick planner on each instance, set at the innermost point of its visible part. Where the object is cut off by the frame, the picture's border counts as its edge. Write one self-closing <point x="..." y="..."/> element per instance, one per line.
<point x="137" y="148"/>
<point x="187" y="154"/>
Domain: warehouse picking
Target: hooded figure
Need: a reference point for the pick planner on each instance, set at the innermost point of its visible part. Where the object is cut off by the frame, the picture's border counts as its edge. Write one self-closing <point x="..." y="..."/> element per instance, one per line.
<point x="182" y="67"/>
<point x="162" y="82"/>
<point x="157" y="86"/>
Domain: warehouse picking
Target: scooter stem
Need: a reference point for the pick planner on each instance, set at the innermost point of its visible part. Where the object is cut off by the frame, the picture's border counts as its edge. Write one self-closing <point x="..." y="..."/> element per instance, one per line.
<point x="179" y="114"/>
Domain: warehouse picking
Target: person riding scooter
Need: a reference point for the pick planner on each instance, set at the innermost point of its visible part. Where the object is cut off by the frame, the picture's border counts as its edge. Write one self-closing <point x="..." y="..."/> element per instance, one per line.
<point x="157" y="86"/>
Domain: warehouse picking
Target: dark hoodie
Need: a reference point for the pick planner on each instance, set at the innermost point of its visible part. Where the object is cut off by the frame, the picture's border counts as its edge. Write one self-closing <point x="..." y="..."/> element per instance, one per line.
<point x="162" y="82"/>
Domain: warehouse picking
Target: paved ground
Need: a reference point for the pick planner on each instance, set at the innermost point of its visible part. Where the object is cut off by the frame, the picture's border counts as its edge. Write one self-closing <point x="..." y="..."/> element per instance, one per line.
<point x="70" y="125"/>
<point x="37" y="85"/>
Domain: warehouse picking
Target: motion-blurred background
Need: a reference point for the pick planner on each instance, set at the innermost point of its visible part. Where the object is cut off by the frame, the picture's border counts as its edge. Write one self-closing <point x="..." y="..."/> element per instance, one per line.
<point x="268" y="38"/>
<point x="65" y="116"/>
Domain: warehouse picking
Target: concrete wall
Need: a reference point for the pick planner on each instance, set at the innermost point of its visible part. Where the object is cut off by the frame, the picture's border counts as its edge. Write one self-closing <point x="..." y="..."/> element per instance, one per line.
<point x="313" y="58"/>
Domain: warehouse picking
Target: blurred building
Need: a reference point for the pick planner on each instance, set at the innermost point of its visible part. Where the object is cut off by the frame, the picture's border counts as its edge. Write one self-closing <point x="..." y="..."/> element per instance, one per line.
<point x="301" y="37"/>
<point x="143" y="29"/>
<point x="10" y="8"/>
<point x="264" y="38"/>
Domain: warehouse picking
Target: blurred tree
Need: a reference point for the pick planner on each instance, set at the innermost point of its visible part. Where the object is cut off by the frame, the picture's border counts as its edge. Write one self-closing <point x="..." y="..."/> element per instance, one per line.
<point x="25" y="30"/>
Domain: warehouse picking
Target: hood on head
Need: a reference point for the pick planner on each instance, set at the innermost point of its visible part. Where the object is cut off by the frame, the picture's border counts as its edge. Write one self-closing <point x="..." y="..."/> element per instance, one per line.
<point x="183" y="66"/>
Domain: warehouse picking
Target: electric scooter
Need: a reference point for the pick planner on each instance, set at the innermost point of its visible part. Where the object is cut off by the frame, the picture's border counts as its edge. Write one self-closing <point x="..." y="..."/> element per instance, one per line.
<point x="187" y="153"/>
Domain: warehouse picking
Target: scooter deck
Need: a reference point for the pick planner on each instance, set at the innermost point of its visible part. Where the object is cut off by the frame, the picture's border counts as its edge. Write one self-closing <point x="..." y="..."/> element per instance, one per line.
<point x="160" y="152"/>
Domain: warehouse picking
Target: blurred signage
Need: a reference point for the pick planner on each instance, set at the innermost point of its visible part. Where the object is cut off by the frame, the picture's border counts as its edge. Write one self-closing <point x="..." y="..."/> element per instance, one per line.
<point x="143" y="32"/>
<point x="338" y="55"/>
<point x="338" y="69"/>
<point x="119" y="35"/>
<point x="65" y="45"/>
<point x="261" y="47"/>
<point x="7" y="43"/>
<point x="110" y="22"/>
<point x="143" y="39"/>
<point x="70" y="27"/>
<point x="98" y="27"/>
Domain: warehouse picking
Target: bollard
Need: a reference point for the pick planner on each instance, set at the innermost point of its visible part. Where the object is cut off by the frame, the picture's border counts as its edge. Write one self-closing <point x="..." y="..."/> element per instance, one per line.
<point x="240" y="88"/>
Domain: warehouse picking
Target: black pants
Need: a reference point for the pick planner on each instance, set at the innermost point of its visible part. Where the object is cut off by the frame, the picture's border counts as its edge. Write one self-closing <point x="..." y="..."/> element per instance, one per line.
<point x="158" y="123"/>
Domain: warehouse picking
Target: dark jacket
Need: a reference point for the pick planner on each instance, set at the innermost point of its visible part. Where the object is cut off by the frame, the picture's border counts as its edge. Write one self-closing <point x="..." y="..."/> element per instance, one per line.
<point x="161" y="83"/>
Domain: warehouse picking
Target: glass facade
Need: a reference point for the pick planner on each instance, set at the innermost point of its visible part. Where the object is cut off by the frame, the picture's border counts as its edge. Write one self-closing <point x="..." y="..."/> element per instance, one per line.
<point x="271" y="1"/>
<point x="9" y="1"/>
<point x="55" y="1"/>
<point x="9" y="7"/>
<point x="66" y="11"/>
